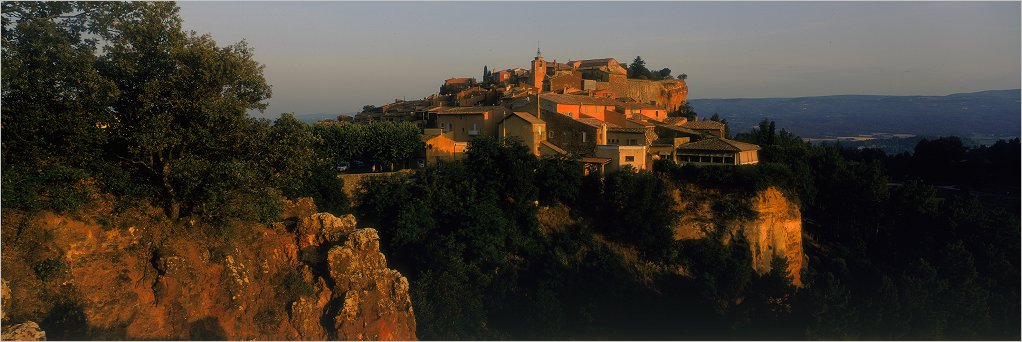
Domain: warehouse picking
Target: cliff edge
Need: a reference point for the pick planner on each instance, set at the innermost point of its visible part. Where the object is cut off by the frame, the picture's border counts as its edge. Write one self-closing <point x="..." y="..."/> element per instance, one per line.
<point x="312" y="276"/>
<point x="772" y="228"/>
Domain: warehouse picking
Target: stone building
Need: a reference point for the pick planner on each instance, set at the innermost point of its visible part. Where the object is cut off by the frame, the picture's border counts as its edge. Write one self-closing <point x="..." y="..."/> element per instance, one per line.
<point x="466" y="123"/>
<point x="708" y="127"/>
<point x="718" y="151"/>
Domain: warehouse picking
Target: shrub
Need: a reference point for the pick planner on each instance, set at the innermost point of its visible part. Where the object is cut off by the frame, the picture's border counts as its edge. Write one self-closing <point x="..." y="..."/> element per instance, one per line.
<point x="49" y="268"/>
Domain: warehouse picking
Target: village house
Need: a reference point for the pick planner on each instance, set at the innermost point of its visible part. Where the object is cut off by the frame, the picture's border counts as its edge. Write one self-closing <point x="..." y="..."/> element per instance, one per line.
<point x="466" y="123"/>
<point x="586" y="108"/>
<point x="708" y="127"/>
<point x="440" y="147"/>
<point x="454" y="85"/>
<point x="623" y="136"/>
<point x="620" y="156"/>
<point x="532" y="132"/>
<point x="648" y="111"/>
<point x="577" y="105"/>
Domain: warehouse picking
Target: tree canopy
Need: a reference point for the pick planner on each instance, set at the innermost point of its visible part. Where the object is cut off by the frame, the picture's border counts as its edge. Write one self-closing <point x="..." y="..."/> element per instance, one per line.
<point x="118" y="98"/>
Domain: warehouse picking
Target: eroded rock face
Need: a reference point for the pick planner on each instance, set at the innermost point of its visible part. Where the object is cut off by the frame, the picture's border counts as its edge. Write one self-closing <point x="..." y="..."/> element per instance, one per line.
<point x="774" y="230"/>
<point x="376" y="305"/>
<point x="28" y="331"/>
<point x="672" y="94"/>
<point x="324" y="228"/>
<point x="5" y="297"/>
<point x="157" y="281"/>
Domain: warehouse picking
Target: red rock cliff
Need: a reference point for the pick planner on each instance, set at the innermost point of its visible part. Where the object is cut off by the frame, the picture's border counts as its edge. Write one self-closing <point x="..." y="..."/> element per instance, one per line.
<point x="311" y="277"/>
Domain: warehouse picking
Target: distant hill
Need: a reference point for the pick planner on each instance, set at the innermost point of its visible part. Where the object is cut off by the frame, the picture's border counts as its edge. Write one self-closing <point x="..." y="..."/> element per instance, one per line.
<point x="310" y="118"/>
<point x="992" y="113"/>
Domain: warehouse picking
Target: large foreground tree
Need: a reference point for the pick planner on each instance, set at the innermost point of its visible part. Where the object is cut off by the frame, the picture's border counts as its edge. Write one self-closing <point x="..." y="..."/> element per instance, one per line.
<point x="163" y="106"/>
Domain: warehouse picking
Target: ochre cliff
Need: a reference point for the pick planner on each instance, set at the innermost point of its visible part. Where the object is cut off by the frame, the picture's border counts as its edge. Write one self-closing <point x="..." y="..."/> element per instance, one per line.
<point x="773" y="228"/>
<point x="312" y="276"/>
<point x="670" y="93"/>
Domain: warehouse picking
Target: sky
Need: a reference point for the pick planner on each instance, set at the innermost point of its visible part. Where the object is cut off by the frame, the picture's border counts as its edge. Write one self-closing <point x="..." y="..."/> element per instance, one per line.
<point x="335" y="57"/>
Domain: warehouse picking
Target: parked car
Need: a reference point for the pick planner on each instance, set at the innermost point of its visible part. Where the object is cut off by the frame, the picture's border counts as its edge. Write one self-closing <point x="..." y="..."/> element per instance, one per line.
<point x="342" y="166"/>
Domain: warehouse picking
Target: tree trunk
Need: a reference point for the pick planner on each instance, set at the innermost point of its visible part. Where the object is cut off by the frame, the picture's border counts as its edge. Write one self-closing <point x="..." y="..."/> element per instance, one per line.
<point x="171" y="206"/>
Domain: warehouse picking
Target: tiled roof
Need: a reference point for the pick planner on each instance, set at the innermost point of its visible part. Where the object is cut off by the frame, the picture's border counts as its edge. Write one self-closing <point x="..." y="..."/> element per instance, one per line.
<point x="553" y="147"/>
<point x="595" y="160"/>
<point x="459" y="80"/>
<point x="718" y="144"/>
<point x="577" y="99"/>
<point x="591" y="121"/>
<point x="680" y="129"/>
<point x="703" y="124"/>
<point x="640" y="122"/>
<point x="674" y="120"/>
<point x="595" y="62"/>
<point x="640" y="105"/>
<point x="528" y="117"/>
<point x="626" y="130"/>
<point x="468" y="110"/>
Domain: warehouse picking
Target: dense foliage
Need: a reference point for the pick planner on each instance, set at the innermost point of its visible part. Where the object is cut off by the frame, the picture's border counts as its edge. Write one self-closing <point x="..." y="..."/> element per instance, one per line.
<point x="890" y="257"/>
<point x="637" y="69"/>
<point x="104" y="97"/>
<point x="382" y="143"/>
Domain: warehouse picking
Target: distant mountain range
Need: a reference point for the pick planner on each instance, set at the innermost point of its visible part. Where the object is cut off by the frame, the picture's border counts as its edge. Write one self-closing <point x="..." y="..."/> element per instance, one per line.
<point x="992" y="113"/>
<point x="311" y="118"/>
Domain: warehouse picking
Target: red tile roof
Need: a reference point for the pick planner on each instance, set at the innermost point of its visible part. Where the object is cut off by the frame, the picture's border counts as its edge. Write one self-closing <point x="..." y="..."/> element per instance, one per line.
<point x="719" y="144"/>
<point x="703" y="124"/>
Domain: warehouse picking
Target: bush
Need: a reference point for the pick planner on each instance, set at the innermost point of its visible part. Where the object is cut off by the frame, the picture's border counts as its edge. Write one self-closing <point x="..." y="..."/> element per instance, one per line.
<point x="49" y="268"/>
<point x="638" y="208"/>
<point x="60" y="188"/>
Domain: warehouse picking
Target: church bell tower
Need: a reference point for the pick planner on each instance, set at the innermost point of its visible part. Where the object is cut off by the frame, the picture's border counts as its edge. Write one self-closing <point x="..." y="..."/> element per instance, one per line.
<point x="538" y="71"/>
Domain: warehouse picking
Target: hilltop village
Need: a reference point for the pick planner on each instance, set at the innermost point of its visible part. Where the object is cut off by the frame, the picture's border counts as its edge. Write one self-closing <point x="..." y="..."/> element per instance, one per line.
<point x="586" y="108"/>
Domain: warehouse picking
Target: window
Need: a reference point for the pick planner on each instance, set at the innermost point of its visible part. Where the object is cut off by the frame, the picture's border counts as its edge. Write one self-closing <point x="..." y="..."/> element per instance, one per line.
<point x="632" y="142"/>
<point x="583" y="136"/>
<point x="474" y="127"/>
<point x="629" y="158"/>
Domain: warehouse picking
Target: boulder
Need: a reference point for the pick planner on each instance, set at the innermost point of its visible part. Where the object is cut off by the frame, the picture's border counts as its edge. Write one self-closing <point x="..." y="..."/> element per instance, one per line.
<point x="28" y="331"/>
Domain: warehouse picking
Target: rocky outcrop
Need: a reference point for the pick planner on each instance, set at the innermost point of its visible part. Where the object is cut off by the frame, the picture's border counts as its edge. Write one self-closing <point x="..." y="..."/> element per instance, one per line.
<point x="314" y="277"/>
<point x="376" y="303"/>
<point x="670" y="93"/>
<point x="774" y="228"/>
<point x="5" y="299"/>
<point x="28" y="331"/>
<point x="776" y="231"/>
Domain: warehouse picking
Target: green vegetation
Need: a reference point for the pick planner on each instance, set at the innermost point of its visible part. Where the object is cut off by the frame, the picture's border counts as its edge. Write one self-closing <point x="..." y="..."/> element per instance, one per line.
<point x="466" y="236"/>
<point x="116" y="98"/>
<point x="380" y="143"/>
<point x="638" y="70"/>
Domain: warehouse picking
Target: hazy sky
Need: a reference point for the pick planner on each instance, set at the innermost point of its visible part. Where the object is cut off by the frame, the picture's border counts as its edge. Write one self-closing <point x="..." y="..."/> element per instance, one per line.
<point x="332" y="57"/>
